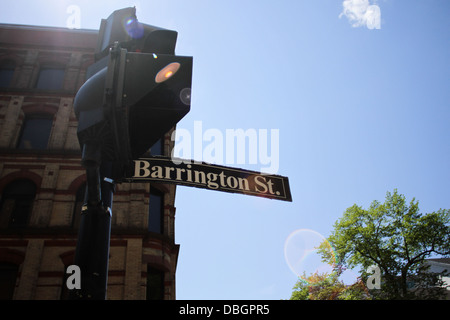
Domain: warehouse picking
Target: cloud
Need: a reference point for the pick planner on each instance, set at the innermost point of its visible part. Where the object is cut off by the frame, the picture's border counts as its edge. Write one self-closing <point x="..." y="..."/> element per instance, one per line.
<point x="361" y="13"/>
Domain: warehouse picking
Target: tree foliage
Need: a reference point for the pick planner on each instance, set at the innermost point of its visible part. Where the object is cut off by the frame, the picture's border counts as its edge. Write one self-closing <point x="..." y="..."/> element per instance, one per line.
<point x="324" y="286"/>
<point x="397" y="238"/>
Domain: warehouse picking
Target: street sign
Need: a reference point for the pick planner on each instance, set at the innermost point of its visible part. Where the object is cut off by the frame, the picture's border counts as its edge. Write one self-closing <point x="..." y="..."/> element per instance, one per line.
<point x="209" y="176"/>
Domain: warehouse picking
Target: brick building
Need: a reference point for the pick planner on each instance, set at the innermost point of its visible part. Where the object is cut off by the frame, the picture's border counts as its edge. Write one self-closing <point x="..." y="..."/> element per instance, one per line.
<point x="42" y="182"/>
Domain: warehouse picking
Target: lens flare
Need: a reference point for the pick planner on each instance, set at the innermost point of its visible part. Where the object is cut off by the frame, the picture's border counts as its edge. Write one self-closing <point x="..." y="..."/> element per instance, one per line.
<point x="134" y="29"/>
<point x="167" y="72"/>
<point x="129" y="22"/>
<point x="185" y="96"/>
<point x="302" y="257"/>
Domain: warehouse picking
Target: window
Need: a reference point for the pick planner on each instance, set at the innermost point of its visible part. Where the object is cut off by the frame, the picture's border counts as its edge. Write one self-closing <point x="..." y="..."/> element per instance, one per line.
<point x="36" y="132"/>
<point x="6" y="73"/>
<point x="155" y="284"/>
<point x="8" y="276"/>
<point x="158" y="148"/>
<point x="17" y="203"/>
<point x="156" y="211"/>
<point x="50" y="79"/>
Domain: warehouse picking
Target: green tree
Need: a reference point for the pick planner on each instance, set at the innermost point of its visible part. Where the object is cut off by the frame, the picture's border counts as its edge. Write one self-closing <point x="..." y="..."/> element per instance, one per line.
<point x="301" y="291"/>
<point x="318" y="286"/>
<point x="397" y="238"/>
<point x="328" y="286"/>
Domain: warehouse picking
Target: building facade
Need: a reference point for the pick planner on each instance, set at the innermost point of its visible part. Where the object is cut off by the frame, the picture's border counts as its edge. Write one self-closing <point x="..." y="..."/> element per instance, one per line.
<point x="42" y="182"/>
<point x="441" y="266"/>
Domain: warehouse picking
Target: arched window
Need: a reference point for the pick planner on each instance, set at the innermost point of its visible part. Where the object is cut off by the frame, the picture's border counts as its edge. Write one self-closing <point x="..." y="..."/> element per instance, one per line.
<point x="17" y="204"/>
<point x="156" y="211"/>
<point x="36" y="131"/>
<point x="7" y="68"/>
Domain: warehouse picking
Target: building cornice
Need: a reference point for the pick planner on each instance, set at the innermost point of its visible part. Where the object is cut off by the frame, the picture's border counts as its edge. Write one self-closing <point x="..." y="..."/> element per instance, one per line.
<point x="26" y="36"/>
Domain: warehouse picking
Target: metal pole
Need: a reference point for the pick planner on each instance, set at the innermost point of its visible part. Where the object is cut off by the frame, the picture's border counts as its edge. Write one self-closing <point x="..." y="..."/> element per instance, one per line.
<point x="92" y="252"/>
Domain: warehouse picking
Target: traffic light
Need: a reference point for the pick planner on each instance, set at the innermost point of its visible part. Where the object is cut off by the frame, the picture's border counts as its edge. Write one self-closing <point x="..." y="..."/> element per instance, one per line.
<point x="136" y="92"/>
<point x="122" y="26"/>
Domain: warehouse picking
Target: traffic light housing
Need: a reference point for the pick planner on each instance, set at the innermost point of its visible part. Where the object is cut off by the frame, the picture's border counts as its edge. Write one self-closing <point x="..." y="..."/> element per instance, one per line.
<point x="123" y="26"/>
<point x="131" y="99"/>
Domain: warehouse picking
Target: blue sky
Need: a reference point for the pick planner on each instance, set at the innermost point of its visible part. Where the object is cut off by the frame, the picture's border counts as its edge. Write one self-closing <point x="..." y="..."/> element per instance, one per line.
<point x="361" y="110"/>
